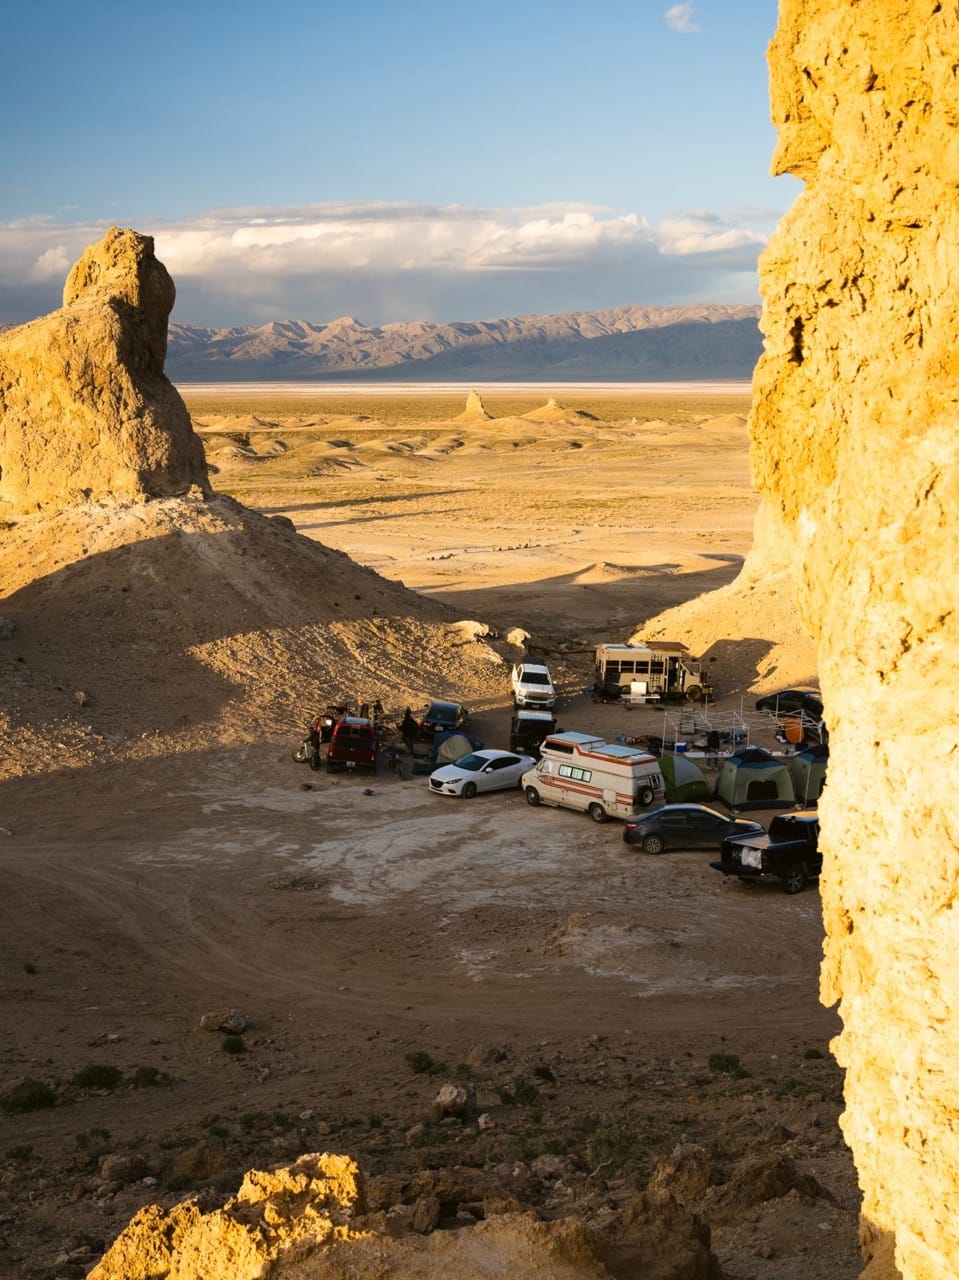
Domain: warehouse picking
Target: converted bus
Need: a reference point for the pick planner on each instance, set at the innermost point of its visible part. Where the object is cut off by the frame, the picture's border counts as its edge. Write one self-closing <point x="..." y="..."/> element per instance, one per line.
<point x="661" y="668"/>
<point x="603" y="779"/>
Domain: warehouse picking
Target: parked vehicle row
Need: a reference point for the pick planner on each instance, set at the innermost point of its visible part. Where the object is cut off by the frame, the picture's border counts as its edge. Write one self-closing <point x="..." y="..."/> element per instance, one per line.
<point x="582" y="772"/>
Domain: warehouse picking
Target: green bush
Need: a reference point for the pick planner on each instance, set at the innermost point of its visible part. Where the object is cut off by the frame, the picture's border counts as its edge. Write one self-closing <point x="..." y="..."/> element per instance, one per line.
<point x="727" y="1062"/>
<point x="420" y="1062"/>
<point x="233" y="1044"/>
<point x="98" y="1075"/>
<point x="29" y="1096"/>
<point x="146" y="1077"/>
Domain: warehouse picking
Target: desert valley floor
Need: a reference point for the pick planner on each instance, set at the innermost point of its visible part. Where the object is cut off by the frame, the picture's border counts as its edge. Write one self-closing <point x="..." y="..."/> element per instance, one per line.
<point x="164" y="858"/>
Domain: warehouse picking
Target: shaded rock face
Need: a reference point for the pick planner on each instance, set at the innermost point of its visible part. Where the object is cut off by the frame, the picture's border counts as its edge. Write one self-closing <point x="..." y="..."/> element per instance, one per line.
<point x="86" y="412"/>
<point x="856" y="451"/>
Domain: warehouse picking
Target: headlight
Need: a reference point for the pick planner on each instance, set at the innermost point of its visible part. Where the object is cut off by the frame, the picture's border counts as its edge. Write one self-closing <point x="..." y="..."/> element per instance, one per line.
<point x="750" y="857"/>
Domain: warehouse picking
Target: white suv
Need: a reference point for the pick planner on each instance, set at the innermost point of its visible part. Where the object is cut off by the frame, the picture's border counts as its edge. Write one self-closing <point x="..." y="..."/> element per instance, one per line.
<point x="532" y="685"/>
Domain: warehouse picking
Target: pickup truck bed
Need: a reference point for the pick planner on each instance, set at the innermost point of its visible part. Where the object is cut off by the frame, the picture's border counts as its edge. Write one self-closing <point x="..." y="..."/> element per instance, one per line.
<point x="788" y="852"/>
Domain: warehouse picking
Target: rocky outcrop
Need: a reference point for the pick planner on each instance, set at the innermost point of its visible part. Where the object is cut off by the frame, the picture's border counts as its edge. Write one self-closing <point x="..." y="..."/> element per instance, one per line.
<point x="86" y="412"/>
<point x="856" y="452"/>
<point x="315" y="1219"/>
<point x="475" y="410"/>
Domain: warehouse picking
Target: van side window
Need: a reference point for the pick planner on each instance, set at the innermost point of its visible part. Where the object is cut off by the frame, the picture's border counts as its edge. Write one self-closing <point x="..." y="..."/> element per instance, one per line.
<point x="577" y="774"/>
<point x="563" y="747"/>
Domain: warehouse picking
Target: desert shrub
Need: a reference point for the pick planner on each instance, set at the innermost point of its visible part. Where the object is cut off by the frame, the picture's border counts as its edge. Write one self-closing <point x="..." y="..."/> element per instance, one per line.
<point x="146" y="1077"/>
<point x="29" y="1096"/>
<point x="422" y="1064"/>
<point x="18" y="1152"/>
<point x="93" y="1143"/>
<point x="612" y="1144"/>
<point x="814" y="1053"/>
<point x="233" y="1044"/>
<point x="29" y="966"/>
<point x="544" y="1073"/>
<point x="180" y="1182"/>
<point x="524" y="1091"/>
<point x="726" y="1062"/>
<point x="98" y="1075"/>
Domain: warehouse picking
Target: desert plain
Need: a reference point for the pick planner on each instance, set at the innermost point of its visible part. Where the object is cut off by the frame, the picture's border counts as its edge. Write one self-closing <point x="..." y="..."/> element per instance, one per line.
<point x="164" y="859"/>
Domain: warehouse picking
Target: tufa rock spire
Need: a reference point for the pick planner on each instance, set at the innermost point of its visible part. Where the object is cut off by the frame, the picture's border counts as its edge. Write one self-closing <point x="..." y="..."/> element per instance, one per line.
<point x="86" y="411"/>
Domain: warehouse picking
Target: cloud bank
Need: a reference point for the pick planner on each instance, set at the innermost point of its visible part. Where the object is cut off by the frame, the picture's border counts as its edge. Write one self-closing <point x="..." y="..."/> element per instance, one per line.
<point x="383" y="262"/>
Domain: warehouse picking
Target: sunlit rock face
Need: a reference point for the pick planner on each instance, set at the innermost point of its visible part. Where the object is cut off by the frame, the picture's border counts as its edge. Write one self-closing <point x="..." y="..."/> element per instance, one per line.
<point x="86" y="412"/>
<point x="855" y="429"/>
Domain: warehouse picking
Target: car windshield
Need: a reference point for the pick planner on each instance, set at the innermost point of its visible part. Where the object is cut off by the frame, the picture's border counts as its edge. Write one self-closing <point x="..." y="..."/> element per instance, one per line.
<point x="472" y="762"/>
<point x="535" y="677"/>
<point x="441" y="711"/>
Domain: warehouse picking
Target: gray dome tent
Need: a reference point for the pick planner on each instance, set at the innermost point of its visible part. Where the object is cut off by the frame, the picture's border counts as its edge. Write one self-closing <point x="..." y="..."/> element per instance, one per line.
<point x="753" y="779"/>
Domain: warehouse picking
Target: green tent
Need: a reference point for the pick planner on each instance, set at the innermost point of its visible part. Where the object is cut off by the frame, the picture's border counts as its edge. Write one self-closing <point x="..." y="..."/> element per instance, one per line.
<point x="808" y="770"/>
<point x="684" y="780"/>
<point x="753" y="779"/>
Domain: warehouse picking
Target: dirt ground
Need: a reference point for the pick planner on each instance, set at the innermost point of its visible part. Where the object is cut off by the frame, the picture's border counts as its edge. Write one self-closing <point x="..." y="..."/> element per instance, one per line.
<point x="164" y="858"/>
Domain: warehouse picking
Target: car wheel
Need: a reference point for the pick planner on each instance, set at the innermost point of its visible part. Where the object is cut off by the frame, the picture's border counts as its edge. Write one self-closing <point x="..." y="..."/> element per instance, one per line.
<point x="694" y="692"/>
<point x="469" y="791"/>
<point x="645" y="798"/>
<point x="597" y="812"/>
<point x="653" y="844"/>
<point x="793" y="877"/>
<point x="532" y="796"/>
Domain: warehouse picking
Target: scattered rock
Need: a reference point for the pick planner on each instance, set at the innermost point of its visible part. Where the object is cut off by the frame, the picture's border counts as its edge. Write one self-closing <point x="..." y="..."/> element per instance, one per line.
<point x="117" y="1167"/>
<point x="231" y="1023"/>
<point x="454" y="1100"/>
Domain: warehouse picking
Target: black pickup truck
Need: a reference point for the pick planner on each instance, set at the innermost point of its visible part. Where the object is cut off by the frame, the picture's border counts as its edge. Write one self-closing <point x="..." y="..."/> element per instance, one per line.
<point x="788" y="852"/>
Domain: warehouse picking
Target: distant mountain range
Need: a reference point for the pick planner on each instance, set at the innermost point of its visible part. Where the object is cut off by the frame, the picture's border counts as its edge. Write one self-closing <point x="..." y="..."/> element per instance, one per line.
<point x="648" y="344"/>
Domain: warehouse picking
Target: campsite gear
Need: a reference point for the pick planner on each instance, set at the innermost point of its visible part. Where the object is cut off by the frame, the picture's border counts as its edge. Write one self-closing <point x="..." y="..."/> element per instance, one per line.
<point x="753" y="779"/>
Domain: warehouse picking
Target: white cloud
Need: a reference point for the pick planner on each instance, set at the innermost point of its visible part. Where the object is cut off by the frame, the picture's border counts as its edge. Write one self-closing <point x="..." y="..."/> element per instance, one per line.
<point x="383" y="262"/>
<point x="681" y="18"/>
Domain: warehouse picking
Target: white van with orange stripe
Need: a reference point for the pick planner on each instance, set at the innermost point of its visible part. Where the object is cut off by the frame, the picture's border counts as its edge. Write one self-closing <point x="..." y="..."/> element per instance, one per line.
<point x="603" y="779"/>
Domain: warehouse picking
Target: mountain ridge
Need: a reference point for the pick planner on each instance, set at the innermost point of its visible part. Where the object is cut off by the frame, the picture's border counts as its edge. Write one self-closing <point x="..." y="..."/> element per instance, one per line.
<point x="703" y="340"/>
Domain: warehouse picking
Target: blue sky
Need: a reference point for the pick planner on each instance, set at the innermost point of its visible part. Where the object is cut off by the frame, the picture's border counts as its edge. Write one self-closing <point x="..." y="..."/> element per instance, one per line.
<point x="426" y="159"/>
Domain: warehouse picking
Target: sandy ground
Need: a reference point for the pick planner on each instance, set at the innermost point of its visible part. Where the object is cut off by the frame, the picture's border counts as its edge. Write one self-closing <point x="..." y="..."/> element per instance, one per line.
<point x="605" y="1005"/>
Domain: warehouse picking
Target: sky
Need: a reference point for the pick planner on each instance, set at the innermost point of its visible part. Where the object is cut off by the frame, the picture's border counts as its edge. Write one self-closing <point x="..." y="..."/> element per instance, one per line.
<point x="392" y="160"/>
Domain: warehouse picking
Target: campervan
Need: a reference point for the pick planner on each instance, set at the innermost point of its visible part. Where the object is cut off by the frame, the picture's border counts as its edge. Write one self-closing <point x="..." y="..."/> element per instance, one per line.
<point x="603" y="779"/>
<point x="659" y="669"/>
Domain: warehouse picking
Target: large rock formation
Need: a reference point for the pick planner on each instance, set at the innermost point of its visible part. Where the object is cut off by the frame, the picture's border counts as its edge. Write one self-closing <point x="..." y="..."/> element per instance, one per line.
<point x="86" y="412"/>
<point x="856" y="451"/>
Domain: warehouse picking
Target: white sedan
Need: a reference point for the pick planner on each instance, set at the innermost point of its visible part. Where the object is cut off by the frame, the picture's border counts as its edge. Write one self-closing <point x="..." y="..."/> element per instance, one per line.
<point x="480" y="771"/>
